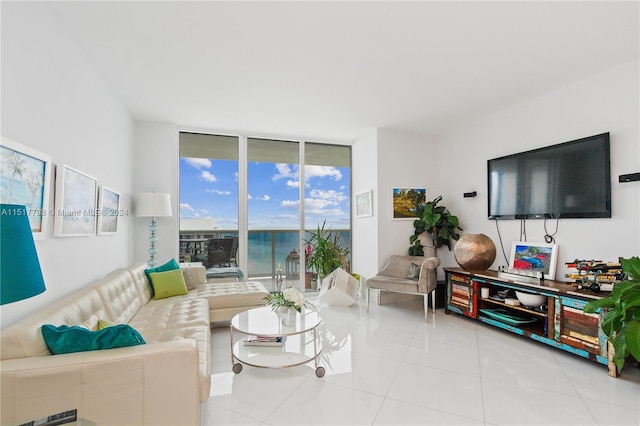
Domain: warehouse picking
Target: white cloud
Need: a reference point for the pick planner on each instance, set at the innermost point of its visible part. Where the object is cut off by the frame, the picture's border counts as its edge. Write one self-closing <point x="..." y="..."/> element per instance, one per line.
<point x="285" y="171"/>
<point x="293" y="183"/>
<point x="218" y="192"/>
<point x="198" y="163"/>
<point x="236" y="175"/>
<point x="265" y="197"/>
<point x="205" y="211"/>
<point x="327" y="212"/>
<point x="322" y="171"/>
<point x="186" y="206"/>
<point x="205" y="175"/>
<point x="331" y="195"/>
<point x="290" y="204"/>
<point x="249" y="197"/>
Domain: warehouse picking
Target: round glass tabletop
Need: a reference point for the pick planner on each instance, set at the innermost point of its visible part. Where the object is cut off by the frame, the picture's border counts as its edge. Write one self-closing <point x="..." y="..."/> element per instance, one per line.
<point x="265" y="322"/>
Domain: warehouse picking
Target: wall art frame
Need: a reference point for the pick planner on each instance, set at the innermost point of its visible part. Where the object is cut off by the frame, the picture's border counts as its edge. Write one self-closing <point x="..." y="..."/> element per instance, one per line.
<point x="108" y="211"/>
<point x="25" y="179"/>
<point x="364" y="206"/>
<point x="534" y="257"/>
<point x="406" y="202"/>
<point x="76" y="200"/>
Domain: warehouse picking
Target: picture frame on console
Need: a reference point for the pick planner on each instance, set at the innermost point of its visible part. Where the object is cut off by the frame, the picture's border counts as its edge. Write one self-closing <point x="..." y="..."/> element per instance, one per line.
<point x="534" y="257"/>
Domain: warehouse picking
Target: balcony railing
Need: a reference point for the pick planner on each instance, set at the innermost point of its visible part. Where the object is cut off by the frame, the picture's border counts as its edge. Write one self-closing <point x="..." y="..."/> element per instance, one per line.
<point x="266" y="248"/>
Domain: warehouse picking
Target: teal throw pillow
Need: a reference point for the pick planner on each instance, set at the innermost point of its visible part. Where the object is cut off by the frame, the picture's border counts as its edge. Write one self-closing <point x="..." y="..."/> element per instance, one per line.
<point x="169" y="266"/>
<point x="168" y="284"/>
<point x="67" y="339"/>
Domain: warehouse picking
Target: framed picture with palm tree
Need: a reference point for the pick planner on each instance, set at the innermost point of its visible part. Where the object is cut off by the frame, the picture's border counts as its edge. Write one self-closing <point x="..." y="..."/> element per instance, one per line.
<point x="76" y="202"/>
<point x="25" y="179"/>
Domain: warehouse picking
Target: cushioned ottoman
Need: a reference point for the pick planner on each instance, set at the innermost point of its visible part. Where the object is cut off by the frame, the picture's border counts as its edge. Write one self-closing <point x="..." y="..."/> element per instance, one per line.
<point x="227" y="299"/>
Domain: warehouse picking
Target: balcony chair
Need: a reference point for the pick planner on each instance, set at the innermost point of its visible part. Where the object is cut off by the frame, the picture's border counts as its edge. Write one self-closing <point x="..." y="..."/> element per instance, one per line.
<point x="409" y="275"/>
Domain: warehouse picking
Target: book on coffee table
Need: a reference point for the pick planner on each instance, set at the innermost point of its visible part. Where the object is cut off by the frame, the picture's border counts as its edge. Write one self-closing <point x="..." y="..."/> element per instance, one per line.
<point x="263" y="341"/>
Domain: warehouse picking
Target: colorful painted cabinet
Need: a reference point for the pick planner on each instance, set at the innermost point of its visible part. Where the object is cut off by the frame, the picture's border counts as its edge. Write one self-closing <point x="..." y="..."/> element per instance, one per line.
<point x="561" y="323"/>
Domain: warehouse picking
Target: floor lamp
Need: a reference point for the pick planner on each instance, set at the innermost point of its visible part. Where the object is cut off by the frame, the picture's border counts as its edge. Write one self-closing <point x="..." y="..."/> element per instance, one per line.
<point x="20" y="273"/>
<point x="153" y="205"/>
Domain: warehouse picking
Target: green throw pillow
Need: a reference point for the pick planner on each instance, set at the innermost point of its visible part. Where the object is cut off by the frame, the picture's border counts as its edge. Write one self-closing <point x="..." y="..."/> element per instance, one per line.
<point x="65" y="339"/>
<point x="102" y="324"/>
<point x="169" y="266"/>
<point x="168" y="284"/>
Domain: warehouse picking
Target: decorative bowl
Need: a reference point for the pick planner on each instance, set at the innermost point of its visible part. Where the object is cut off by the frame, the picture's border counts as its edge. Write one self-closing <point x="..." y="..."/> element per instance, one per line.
<point x="531" y="300"/>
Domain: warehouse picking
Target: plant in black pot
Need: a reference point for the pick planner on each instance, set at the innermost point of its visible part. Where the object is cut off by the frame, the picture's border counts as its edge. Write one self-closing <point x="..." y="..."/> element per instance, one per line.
<point x="327" y="252"/>
<point x="437" y="221"/>
<point x="621" y="323"/>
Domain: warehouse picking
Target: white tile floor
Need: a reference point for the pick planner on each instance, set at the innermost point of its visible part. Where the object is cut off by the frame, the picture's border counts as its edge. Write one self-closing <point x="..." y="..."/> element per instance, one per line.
<point x="392" y="368"/>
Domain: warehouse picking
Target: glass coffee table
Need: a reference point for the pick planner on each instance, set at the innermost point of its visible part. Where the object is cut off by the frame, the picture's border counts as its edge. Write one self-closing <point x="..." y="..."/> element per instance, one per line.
<point x="301" y="343"/>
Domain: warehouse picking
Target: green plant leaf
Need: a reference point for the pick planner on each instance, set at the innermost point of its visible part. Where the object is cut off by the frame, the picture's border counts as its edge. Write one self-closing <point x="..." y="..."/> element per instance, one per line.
<point x="621" y="349"/>
<point x="631" y="267"/>
<point x="594" y="305"/>
<point x="611" y="322"/>
<point x="632" y="338"/>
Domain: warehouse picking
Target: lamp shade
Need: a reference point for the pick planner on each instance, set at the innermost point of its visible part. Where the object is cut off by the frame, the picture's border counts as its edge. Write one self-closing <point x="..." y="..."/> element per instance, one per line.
<point x="153" y="204"/>
<point x="20" y="273"/>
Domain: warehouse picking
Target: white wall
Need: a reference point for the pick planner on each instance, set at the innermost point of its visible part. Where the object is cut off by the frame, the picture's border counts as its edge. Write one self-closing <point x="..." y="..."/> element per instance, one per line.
<point x="364" y="230"/>
<point x="157" y="170"/>
<point x="404" y="160"/>
<point x="54" y="101"/>
<point x="607" y="102"/>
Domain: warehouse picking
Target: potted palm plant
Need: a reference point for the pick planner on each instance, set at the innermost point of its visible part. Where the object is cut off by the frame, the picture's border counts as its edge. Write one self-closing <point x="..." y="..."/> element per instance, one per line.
<point x="327" y="253"/>
<point x="621" y="323"/>
<point x="438" y="222"/>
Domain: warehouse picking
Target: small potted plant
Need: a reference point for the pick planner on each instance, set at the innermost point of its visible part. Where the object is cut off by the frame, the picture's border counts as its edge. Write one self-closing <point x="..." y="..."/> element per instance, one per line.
<point x="438" y="222"/>
<point x="286" y="303"/>
<point x="621" y="323"/>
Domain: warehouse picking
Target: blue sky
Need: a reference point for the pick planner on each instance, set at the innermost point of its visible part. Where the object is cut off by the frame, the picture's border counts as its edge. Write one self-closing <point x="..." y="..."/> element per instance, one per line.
<point x="209" y="189"/>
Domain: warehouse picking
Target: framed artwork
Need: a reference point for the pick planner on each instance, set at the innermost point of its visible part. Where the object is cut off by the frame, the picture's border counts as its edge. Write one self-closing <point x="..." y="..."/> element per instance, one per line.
<point x="535" y="257"/>
<point x="108" y="211"/>
<point x="76" y="197"/>
<point x="363" y="204"/>
<point x="407" y="202"/>
<point x="25" y="179"/>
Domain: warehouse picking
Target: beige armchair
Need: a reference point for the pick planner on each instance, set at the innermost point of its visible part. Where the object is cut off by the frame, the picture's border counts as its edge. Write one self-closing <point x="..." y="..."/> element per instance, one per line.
<point x="409" y="275"/>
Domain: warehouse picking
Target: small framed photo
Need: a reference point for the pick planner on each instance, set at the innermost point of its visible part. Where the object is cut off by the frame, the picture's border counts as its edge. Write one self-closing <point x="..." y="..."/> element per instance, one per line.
<point x="407" y="202"/>
<point x="76" y="198"/>
<point x="25" y="179"/>
<point x="363" y="204"/>
<point x="108" y="211"/>
<point x="535" y="257"/>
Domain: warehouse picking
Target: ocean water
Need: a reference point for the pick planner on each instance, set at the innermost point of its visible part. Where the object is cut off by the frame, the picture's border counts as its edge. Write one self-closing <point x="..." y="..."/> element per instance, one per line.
<point x="261" y="262"/>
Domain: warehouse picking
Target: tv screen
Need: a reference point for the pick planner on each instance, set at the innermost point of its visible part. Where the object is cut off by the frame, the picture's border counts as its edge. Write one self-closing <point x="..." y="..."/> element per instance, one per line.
<point x="567" y="180"/>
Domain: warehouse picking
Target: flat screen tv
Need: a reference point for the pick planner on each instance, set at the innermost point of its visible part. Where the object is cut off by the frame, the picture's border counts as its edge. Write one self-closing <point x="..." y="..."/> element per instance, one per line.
<point x="567" y="180"/>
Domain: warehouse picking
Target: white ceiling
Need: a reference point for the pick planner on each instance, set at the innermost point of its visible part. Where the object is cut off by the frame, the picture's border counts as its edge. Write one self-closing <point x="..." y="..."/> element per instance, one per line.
<point x="330" y="71"/>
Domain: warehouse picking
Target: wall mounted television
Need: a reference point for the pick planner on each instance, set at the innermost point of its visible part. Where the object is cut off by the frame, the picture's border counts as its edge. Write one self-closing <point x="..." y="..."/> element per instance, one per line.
<point x="567" y="180"/>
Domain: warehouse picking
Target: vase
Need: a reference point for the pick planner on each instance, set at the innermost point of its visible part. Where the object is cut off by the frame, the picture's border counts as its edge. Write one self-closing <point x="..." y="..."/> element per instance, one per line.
<point x="288" y="316"/>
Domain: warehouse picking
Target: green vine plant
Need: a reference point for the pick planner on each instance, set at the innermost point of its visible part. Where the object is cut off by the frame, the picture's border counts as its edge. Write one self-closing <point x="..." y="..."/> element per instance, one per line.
<point x="438" y="222"/>
<point x="621" y="322"/>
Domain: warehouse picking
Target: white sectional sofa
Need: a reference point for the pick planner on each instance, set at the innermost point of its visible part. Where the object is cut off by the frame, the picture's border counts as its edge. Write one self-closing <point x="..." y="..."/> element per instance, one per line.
<point x="159" y="383"/>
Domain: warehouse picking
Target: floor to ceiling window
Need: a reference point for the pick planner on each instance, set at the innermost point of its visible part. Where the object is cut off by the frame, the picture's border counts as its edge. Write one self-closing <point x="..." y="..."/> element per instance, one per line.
<point x="276" y="183"/>
<point x="209" y="199"/>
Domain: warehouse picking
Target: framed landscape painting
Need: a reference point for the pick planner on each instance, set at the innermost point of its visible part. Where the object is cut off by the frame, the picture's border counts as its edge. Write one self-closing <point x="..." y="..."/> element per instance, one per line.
<point x="76" y="197"/>
<point x="407" y="202"/>
<point x="108" y="211"/>
<point x="25" y="179"/>
<point x="535" y="257"/>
